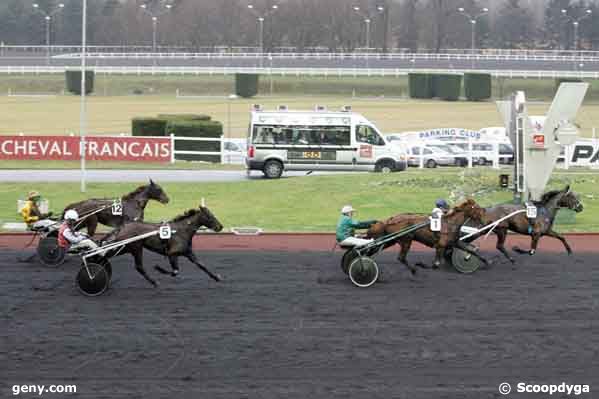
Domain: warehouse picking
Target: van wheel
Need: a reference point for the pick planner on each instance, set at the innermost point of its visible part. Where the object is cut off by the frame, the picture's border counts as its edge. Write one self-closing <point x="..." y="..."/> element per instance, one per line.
<point x="431" y="163"/>
<point x="384" y="166"/>
<point x="273" y="169"/>
<point x="482" y="161"/>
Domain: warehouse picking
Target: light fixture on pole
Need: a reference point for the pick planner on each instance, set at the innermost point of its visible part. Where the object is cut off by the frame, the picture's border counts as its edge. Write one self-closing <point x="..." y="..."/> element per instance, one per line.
<point x="473" y="19"/>
<point x="261" y="18"/>
<point x="155" y="16"/>
<point x="576" y="23"/>
<point x="367" y="20"/>
<point x="48" y="18"/>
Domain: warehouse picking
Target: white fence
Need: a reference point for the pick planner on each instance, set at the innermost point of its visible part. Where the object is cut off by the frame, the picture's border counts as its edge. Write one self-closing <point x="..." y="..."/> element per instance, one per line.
<point x="390" y="72"/>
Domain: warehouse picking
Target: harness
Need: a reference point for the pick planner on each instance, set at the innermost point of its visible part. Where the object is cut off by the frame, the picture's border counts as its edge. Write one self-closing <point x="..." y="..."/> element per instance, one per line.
<point x="62" y="242"/>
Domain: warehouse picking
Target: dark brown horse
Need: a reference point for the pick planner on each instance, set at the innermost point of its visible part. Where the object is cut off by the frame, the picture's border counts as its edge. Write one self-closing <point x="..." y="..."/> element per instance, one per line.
<point x="133" y="206"/>
<point x="542" y="225"/>
<point x="183" y="229"/>
<point x="448" y="237"/>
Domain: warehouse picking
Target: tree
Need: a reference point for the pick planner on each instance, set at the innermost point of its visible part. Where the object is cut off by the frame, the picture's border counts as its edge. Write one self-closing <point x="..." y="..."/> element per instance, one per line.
<point x="514" y="26"/>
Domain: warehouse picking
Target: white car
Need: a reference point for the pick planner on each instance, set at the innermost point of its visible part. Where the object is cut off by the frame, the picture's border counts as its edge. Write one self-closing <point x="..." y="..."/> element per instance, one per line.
<point x="234" y="151"/>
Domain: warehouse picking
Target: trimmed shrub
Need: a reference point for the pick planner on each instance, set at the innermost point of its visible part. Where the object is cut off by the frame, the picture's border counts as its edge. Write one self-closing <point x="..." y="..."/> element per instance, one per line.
<point x="73" y="81"/>
<point x="420" y="85"/>
<point x="148" y="127"/>
<point x="448" y="87"/>
<point x="477" y="86"/>
<point x="246" y="84"/>
<point x="191" y="128"/>
<point x="189" y="117"/>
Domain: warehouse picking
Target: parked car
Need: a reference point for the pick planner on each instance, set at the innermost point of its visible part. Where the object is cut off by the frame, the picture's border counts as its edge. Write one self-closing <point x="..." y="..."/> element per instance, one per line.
<point x="234" y="151"/>
<point x="506" y="154"/>
<point x="433" y="157"/>
<point x="460" y="156"/>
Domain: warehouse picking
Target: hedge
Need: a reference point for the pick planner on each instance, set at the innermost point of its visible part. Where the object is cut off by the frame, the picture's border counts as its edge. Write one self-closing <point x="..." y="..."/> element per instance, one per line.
<point x="246" y="84"/>
<point x="189" y="117"/>
<point x="73" y="81"/>
<point x="195" y="128"/>
<point x="477" y="86"/>
<point x="148" y="126"/>
<point x="420" y="85"/>
<point x="448" y="87"/>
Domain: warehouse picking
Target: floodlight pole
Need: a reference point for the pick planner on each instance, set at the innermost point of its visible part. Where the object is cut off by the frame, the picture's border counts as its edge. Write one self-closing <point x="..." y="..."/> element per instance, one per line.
<point x="473" y="19"/>
<point x="576" y="23"/>
<point x="367" y="21"/>
<point x="82" y="114"/>
<point x="261" y="18"/>
<point x="48" y="20"/>
<point x="154" y="16"/>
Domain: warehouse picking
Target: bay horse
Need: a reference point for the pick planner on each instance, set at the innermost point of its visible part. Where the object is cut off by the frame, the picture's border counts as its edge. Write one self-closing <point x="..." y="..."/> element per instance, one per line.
<point x="448" y="237"/>
<point x="542" y="225"/>
<point x="183" y="229"/>
<point x="133" y="205"/>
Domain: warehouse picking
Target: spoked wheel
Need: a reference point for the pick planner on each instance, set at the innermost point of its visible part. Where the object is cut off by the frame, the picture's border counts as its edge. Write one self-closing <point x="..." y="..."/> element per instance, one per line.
<point x="50" y="253"/>
<point x="347" y="259"/>
<point x="93" y="280"/>
<point x="464" y="262"/>
<point x="363" y="272"/>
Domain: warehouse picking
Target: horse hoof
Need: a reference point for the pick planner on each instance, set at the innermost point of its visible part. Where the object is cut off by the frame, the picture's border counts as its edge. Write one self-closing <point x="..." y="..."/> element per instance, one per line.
<point x="219" y="277"/>
<point x="436" y="266"/>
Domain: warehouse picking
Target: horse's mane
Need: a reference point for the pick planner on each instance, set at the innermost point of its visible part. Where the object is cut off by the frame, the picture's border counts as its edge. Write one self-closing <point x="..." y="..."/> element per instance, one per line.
<point x="549" y="195"/>
<point x="186" y="215"/>
<point x="134" y="192"/>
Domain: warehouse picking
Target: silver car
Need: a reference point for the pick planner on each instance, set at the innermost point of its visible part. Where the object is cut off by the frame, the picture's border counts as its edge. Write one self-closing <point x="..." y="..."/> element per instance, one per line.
<point x="432" y="157"/>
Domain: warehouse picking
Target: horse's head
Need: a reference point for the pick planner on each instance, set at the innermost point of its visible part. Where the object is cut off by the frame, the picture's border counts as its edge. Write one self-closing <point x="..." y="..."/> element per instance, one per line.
<point x="570" y="200"/>
<point x="208" y="219"/>
<point x="469" y="208"/>
<point x="155" y="192"/>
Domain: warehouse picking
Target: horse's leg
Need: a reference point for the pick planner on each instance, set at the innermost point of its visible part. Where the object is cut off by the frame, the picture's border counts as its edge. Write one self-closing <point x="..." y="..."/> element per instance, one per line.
<point x="174" y="262"/>
<point x="403" y="254"/>
<point x="553" y="234"/>
<point x="137" y="253"/>
<point x="192" y="258"/>
<point x="501" y="236"/>
<point x="92" y="225"/>
<point x="439" y="250"/>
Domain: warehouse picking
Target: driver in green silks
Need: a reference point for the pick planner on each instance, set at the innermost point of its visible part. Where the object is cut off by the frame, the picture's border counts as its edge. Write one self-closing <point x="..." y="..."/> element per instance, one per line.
<point x="346" y="228"/>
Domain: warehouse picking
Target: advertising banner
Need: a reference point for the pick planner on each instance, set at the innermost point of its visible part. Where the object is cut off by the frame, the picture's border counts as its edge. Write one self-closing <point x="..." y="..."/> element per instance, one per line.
<point x="98" y="148"/>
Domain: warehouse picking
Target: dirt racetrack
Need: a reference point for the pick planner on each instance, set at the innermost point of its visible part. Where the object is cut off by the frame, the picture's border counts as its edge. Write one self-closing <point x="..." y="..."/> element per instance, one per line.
<point x="290" y="325"/>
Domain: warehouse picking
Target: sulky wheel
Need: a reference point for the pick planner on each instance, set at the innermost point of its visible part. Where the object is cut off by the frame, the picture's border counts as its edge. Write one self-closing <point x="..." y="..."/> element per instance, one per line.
<point x="363" y="272"/>
<point x="464" y="262"/>
<point x="93" y="280"/>
<point x="50" y="253"/>
<point x="348" y="257"/>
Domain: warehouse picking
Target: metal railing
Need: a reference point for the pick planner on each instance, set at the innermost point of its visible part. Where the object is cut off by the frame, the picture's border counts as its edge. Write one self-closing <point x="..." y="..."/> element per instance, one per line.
<point x="412" y="57"/>
<point x="29" y="49"/>
<point x="381" y="72"/>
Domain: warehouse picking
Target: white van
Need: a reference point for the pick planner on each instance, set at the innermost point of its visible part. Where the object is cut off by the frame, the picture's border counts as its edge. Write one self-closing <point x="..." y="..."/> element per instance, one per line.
<point x="318" y="140"/>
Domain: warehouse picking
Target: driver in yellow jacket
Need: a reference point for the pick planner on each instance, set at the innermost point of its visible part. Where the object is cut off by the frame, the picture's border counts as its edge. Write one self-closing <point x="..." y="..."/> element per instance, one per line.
<point x="32" y="215"/>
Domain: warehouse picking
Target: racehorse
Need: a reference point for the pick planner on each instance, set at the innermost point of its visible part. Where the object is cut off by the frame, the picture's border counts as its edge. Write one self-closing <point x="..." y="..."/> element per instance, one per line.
<point x="448" y="236"/>
<point x="542" y="225"/>
<point x="133" y="206"/>
<point x="183" y="228"/>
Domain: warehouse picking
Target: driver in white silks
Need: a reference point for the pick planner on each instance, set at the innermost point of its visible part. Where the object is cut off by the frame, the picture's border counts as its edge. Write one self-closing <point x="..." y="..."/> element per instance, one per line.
<point x="346" y="228"/>
<point x="68" y="236"/>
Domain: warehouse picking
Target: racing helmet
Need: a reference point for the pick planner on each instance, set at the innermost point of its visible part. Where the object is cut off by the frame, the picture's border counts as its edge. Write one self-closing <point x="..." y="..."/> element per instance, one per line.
<point x="347" y="209"/>
<point x="32" y="195"/>
<point x="441" y="203"/>
<point x="71" y="214"/>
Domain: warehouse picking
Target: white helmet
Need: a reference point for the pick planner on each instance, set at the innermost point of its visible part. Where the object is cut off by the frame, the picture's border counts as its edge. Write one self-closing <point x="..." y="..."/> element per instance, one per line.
<point x="71" y="214"/>
<point x="347" y="209"/>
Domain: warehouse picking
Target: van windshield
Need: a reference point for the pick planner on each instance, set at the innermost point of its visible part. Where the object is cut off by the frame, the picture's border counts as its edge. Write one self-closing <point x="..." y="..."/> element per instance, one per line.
<point x="301" y="135"/>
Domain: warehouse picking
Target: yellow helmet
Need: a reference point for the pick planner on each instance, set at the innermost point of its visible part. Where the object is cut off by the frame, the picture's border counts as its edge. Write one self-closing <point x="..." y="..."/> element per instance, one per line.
<point x="33" y="195"/>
